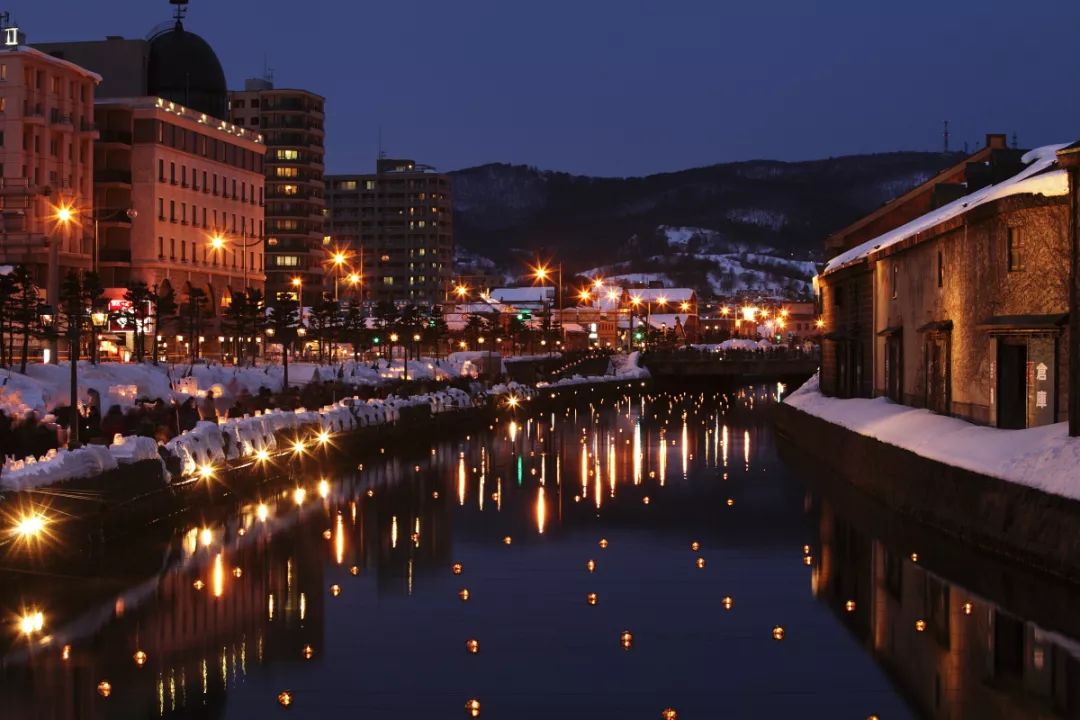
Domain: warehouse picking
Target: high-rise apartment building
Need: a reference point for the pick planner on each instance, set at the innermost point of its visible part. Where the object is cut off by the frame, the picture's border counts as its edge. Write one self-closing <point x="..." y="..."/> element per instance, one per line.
<point x="46" y="161"/>
<point x="292" y="125"/>
<point x="398" y="226"/>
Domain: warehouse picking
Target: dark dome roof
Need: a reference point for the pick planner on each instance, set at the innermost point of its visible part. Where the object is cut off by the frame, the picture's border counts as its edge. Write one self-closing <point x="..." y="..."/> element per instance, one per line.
<point x="184" y="68"/>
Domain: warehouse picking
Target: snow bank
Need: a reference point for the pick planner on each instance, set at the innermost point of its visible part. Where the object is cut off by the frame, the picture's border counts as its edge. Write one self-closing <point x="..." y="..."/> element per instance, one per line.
<point x="56" y="466"/>
<point x="1044" y="458"/>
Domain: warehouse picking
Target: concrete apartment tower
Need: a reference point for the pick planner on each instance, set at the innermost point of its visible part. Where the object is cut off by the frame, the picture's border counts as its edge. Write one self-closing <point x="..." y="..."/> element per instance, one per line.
<point x="47" y="133"/>
<point x="399" y="223"/>
<point x="292" y="124"/>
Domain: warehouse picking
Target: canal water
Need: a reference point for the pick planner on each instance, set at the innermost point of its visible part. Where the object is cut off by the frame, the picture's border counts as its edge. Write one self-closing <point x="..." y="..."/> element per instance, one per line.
<point x="611" y="561"/>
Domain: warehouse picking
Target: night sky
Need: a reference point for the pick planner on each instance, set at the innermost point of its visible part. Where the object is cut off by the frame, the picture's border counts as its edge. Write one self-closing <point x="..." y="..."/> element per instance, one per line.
<point x="629" y="87"/>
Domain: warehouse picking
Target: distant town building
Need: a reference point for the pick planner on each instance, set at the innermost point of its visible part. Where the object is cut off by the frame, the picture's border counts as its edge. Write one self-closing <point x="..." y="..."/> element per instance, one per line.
<point x="47" y="161"/>
<point x="292" y="125"/>
<point x="397" y="225"/>
<point x="665" y="310"/>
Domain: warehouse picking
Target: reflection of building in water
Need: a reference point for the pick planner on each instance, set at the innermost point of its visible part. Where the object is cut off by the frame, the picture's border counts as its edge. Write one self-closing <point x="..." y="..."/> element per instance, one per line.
<point x="202" y="628"/>
<point x="955" y="654"/>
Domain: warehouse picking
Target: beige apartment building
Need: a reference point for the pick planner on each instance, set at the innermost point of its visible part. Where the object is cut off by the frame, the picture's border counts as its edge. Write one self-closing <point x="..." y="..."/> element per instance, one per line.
<point x="196" y="184"/>
<point x="46" y="161"/>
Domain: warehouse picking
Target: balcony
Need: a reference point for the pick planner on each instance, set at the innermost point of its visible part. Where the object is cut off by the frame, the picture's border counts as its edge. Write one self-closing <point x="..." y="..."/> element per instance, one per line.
<point x="116" y="137"/>
<point x="114" y="255"/>
<point x="58" y="118"/>
<point x="115" y="177"/>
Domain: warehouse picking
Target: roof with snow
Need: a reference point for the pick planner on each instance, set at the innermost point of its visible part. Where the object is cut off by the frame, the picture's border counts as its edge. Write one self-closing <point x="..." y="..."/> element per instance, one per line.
<point x="673" y="295"/>
<point x="1040" y="177"/>
<point x="537" y="294"/>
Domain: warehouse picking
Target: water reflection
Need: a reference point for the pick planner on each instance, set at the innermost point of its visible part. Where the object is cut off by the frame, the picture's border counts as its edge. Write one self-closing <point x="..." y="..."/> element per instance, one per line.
<point x="341" y="593"/>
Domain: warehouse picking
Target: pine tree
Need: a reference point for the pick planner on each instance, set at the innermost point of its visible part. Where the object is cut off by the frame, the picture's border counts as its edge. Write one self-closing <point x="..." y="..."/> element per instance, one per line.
<point x="164" y="313"/>
<point x="138" y="314"/>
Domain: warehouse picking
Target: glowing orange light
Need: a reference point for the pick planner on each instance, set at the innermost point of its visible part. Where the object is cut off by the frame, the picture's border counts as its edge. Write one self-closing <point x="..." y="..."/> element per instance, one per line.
<point x="104" y="688"/>
<point x="140" y="658"/>
<point x="456" y="568"/>
<point x="472" y="646"/>
<point x="285" y="698"/>
<point x="778" y="633"/>
<point x="463" y="594"/>
<point x="591" y="598"/>
<point x="626" y="639"/>
<point x="472" y="707"/>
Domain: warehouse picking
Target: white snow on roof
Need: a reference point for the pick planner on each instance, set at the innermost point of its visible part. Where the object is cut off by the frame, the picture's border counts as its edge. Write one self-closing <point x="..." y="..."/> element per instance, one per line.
<point x="670" y="294"/>
<point x="538" y="294"/>
<point x="1033" y="179"/>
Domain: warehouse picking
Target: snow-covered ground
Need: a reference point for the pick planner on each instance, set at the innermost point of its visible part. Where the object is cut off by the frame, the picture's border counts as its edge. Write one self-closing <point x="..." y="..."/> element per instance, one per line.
<point x="1044" y="458"/>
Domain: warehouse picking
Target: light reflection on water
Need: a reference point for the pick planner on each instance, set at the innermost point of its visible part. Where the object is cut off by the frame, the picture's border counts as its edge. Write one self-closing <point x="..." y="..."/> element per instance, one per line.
<point x="343" y="594"/>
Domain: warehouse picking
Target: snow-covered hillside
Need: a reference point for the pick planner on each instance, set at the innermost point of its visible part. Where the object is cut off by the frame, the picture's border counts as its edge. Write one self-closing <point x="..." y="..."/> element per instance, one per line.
<point x="704" y="260"/>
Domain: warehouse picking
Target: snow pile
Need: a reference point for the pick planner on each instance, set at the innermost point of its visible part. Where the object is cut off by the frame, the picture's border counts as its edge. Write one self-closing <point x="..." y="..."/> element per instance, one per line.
<point x="200" y="446"/>
<point x="133" y="449"/>
<point x="1036" y="179"/>
<point x="624" y="367"/>
<point x="57" y="466"/>
<point x="1044" y="458"/>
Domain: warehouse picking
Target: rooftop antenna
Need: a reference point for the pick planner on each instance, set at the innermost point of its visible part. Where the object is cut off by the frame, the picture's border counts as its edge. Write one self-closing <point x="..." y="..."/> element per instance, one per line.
<point x="382" y="154"/>
<point x="180" y="12"/>
<point x="1016" y="140"/>
<point x="946" y="136"/>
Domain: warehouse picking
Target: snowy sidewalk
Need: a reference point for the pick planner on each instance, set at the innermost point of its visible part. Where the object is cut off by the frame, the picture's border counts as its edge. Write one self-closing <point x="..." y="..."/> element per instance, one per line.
<point x="1044" y="458"/>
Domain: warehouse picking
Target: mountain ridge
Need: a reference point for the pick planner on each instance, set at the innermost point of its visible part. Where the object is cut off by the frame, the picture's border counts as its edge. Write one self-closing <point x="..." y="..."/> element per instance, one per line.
<point x="511" y="212"/>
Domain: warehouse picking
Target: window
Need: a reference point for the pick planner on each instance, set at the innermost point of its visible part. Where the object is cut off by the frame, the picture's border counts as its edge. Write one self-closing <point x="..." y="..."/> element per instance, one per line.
<point x="286" y="260"/>
<point x="1015" y="250"/>
<point x="183" y="213"/>
<point x="369" y="184"/>
<point x="287" y="172"/>
<point x="238" y="104"/>
<point x="183" y="250"/>
<point x="940" y="269"/>
<point x="161" y="170"/>
<point x="895" y="285"/>
<point x="388" y="280"/>
<point x="215" y="183"/>
<point x="172" y="211"/>
<point x="205" y="187"/>
<point x="172" y="248"/>
<point x="160" y="247"/>
<point x="161" y="208"/>
<point x="194" y="179"/>
<point x="290" y="189"/>
<point x="3" y="71"/>
<point x="290" y="155"/>
<point x="254" y="102"/>
<point x="183" y="176"/>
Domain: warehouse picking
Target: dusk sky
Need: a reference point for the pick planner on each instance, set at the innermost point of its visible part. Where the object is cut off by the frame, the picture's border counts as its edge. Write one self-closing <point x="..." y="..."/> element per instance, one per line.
<point x="628" y="87"/>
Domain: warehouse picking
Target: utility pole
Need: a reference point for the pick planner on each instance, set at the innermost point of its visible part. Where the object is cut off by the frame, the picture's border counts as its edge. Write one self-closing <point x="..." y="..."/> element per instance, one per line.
<point x="946" y="136"/>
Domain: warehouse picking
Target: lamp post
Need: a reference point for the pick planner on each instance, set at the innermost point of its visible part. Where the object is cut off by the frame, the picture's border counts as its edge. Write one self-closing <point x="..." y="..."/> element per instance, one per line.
<point x="416" y="345"/>
<point x="98" y="319"/>
<point x="635" y="300"/>
<point x="298" y="283"/>
<point x="337" y="261"/>
<point x="543" y="273"/>
<point x="63" y="216"/>
<point x="47" y="316"/>
<point x="393" y="341"/>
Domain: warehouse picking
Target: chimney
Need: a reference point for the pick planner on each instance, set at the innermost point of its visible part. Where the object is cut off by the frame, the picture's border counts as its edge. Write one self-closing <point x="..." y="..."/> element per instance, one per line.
<point x="997" y="141"/>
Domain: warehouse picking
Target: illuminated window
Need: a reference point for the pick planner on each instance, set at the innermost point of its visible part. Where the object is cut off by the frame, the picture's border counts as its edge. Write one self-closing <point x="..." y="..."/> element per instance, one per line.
<point x="369" y="184"/>
<point x="388" y="280"/>
<point x="288" y="154"/>
<point x="347" y="185"/>
<point x="290" y="189"/>
<point x="286" y="260"/>
<point x="287" y="172"/>
<point x="326" y="239"/>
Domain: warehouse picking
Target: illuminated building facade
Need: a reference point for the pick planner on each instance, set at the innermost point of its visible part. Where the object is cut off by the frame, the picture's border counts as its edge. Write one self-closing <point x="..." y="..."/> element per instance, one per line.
<point x="292" y="125"/>
<point x="398" y="226"/>
<point x="46" y="160"/>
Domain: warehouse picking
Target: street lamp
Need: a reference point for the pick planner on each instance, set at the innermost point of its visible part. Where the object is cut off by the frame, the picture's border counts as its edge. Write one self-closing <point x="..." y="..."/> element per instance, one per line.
<point x="635" y="301"/>
<point x="543" y="273"/>
<point x="338" y="259"/>
<point x="98" y="319"/>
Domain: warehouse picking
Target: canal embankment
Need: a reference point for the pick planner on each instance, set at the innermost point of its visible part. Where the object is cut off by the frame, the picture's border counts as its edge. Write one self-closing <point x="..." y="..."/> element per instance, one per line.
<point x="1010" y="492"/>
<point x="99" y="492"/>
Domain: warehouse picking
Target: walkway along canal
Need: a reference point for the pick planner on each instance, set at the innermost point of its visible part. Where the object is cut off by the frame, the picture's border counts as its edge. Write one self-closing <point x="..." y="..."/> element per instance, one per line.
<point x="610" y="558"/>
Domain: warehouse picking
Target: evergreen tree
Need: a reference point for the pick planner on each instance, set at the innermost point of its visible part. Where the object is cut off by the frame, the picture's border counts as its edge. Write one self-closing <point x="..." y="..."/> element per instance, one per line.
<point x="24" y="314"/>
<point x="164" y="312"/>
<point x="138" y="314"/>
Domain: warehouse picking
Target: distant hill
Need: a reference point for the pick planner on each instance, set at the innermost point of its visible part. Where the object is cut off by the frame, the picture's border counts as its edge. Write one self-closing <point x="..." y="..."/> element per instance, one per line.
<point x="512" y="212"/>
